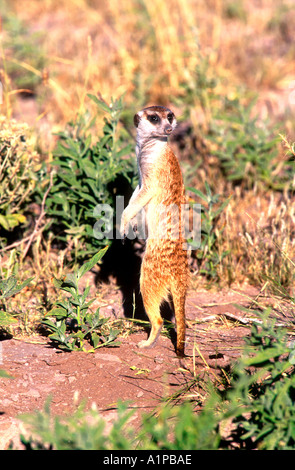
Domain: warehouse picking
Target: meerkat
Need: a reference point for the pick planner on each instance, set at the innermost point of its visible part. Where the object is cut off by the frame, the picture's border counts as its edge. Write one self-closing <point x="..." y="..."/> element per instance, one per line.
<point x="160" y="192"/>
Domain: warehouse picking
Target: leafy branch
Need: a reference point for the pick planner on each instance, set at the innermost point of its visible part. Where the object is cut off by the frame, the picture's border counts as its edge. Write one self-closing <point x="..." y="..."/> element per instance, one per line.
<point x="73" y="325"/>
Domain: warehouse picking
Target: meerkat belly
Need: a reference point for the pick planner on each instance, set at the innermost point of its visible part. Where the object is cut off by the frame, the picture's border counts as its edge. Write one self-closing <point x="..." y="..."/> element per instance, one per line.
<point x="162" y="220"/>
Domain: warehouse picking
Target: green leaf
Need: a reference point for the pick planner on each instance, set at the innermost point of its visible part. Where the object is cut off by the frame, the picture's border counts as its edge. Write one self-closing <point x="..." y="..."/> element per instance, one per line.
<point x="292" y="357"/>
<point x="52" y="326"/>
<point x="263" y="357"/>
<point x="5" y="374"/>
<point x="21" y="286"/>
<point x="91" y="263"/>
<point x="6" y="319"/>
<point x="95" y="340"/>
<point x="58" y="312"/>
<point x="70" y="282"/>
<point x="57" y="282"/>
<point x="10" y="221"/>
<point x="124" y="151"/>
<point x="198" y="193"/>
<point x="9" y="287"/>
<point x="78" y="231"/>
<point x="101" y="104"/>
<point x="220" y="209"/>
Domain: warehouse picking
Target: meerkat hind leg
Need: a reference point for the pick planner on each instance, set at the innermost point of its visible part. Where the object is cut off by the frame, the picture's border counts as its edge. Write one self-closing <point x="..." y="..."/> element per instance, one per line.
<point x="154" y="334"/>
<point x="152" y="301"/>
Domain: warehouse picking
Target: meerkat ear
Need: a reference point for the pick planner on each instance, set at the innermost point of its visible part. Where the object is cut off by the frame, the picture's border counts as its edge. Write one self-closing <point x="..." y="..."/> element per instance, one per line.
<point x="136" y="120"/>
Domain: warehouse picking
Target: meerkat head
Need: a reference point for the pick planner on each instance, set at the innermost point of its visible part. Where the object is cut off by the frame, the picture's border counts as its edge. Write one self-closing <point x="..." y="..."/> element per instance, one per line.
<point x="154" y="122"/>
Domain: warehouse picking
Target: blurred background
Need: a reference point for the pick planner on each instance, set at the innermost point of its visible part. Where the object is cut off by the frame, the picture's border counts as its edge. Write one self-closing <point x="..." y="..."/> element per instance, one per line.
<point x="178" y="53"/>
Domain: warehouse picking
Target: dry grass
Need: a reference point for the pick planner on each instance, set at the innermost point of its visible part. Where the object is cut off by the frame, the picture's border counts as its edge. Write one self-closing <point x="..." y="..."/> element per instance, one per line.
<point x="260" y="235"/>
<point x="147" y="49"/>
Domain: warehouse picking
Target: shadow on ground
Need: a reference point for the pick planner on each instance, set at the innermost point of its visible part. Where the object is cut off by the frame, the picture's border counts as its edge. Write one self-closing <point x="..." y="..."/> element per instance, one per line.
<point x="122" y="262"/>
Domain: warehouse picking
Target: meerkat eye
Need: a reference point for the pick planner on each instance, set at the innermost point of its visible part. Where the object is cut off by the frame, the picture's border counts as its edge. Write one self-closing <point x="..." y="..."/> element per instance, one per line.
<point x="153" y="118"/>
<point x="170" y="117"/>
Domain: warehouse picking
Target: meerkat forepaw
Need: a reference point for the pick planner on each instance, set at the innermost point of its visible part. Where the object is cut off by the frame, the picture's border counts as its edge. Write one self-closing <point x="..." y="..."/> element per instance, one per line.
<point x="123" y="237"/>
<point x="125" y="227"/>
<point x="123" y="230"/>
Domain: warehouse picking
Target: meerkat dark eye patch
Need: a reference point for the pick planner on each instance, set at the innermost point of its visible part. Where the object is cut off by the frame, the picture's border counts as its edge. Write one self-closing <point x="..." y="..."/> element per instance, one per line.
<point x="153" y="118"/>
<point x="170" y="117"/>
<point x="136" y="120"/>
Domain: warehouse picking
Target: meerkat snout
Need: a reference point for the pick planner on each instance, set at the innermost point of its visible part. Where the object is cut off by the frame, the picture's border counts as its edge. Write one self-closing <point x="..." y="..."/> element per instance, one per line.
<point x="168" y="130"/>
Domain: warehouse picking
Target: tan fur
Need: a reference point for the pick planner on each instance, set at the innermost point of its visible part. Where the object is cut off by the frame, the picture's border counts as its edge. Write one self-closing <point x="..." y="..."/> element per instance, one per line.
<point x="160" y="192"/>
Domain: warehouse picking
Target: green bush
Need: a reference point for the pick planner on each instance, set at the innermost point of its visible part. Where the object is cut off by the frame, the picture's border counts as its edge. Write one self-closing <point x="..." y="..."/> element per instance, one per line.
<point x="19" y="166"/>
<point x="10" y="286"/>
<point x="180" y="428"/>
<point x="208" y="256"/>
<point x="171" y="429"/>
<point x="74" y="326"/>
<point x="246" y="147"/>
<point x="262" y="399"/>
<point x="86" y="174"/>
